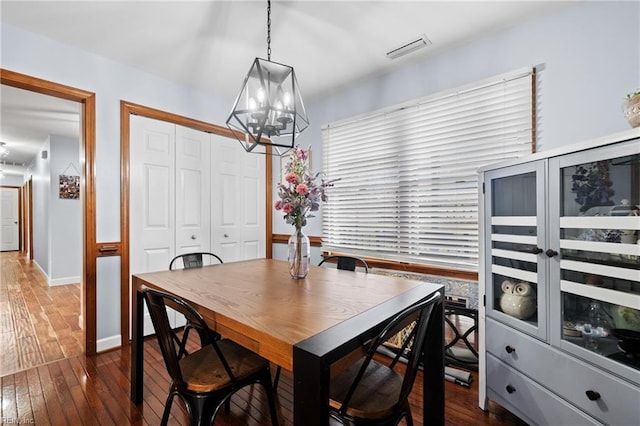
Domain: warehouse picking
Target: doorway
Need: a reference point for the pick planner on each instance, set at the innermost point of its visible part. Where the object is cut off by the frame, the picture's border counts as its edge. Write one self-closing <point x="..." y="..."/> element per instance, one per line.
<point x="87" y="189"/>
<point x="127" y="110"/>
<point x="9" y="218"/>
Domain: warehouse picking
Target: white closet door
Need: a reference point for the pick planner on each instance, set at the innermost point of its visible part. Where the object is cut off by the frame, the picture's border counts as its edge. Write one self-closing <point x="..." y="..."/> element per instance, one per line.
<point x="193" y="180"/>
<point x="9" y="219"/>
<point x="152" y="199"/>
<point x="152" y="194"/>
<point x="238" y="201"/>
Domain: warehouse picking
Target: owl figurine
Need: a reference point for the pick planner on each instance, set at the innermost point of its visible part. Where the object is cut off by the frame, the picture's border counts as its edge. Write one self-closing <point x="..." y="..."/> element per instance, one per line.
<point x="518" y="299"/>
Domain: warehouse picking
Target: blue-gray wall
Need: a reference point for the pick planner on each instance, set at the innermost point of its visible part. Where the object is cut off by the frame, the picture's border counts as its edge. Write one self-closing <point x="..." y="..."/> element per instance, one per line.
<point x="57" y="223"/>
<point x="65" y="215"/>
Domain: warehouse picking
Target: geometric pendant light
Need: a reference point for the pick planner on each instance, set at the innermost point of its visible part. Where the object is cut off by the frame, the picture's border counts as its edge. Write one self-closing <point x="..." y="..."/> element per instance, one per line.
<point x="269" y="111"/>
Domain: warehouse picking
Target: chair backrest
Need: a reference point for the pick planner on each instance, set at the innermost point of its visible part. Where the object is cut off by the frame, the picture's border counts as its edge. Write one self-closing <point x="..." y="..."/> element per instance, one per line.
<point x="347" y="263"/>
<point x="193" y="260"/>
<point x="157" y="302"/>
<point x="420" y="314"/>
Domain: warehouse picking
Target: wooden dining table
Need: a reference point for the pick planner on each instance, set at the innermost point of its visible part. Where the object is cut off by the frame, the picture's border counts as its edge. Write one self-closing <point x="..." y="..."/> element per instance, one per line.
<point x="303" y="325"/>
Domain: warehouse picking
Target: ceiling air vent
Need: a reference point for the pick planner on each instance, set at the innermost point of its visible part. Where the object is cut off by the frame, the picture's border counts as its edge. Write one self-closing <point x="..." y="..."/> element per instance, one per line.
<point x="409" y="47"/>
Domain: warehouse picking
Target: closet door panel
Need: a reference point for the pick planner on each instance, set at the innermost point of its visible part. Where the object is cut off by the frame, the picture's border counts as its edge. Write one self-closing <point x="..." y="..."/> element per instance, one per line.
<point x="238" y="200"/>
<point x="193" y="177"/>
<point x="152" y="200"/>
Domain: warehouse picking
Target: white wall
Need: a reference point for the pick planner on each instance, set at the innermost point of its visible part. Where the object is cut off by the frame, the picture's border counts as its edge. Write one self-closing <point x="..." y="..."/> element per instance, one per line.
<point x="40" y="172"/>
<point x="57" y="223"/>
<point x="587" y="56"/>
<point x="11" y="180"/>
<point x="65" y="215"/>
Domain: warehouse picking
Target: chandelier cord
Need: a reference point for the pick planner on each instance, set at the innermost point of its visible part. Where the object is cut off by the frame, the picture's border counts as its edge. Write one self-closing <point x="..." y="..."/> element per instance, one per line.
<point x="269" y="30"/>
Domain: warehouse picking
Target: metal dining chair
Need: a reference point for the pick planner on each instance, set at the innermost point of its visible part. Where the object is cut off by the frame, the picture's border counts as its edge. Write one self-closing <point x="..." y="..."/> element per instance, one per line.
<point x="205" y="379"/>
<point x="372" y="392"/>
<point x="346" y="263"/>
<point x="193" y="260"/>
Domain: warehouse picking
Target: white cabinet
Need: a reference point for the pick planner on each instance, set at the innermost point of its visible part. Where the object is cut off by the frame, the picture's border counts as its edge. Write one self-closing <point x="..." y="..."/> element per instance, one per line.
<point x="560" y="281"/>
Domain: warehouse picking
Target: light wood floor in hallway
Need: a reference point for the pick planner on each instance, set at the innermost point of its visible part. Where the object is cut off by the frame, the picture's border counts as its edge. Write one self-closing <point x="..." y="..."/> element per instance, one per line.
<point x="38" y="324"/>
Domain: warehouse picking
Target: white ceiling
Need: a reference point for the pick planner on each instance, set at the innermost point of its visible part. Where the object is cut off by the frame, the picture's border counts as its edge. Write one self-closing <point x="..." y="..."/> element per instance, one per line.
<point x="210" y="45"/>
<point x="27" y="119"/>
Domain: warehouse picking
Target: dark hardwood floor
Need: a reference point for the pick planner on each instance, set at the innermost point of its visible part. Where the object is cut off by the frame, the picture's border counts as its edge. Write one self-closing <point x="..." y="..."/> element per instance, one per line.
<point x="84" y="390"/>
<point x="61" y="386"/>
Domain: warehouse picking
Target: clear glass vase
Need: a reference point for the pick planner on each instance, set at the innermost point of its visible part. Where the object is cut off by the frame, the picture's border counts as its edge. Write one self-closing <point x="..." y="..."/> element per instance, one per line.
<point x="299" y="254"/>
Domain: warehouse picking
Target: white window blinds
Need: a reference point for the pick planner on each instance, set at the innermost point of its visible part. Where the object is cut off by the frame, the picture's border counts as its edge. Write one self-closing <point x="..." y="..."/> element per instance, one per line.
<point x="408" y="181"/>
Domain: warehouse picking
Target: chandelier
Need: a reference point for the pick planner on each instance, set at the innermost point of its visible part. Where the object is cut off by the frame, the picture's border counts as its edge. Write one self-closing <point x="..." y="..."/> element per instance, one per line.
<point x="269" y="111"/>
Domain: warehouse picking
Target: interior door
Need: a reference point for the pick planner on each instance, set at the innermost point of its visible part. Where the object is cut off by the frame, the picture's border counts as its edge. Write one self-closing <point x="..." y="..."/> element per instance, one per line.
<point x="238" y="201"/>
<point x="9" y="219"/>
<point x="152" y="200"/>
<point x="193" y="180"/>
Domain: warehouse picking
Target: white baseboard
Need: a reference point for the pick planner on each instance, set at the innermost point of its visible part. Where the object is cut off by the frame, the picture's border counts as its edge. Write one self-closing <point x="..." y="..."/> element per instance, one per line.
<point x="108" y="343"/>
<point x="64" y="281"/>
<point x="116" y="341"/>
<point x="40" y="269"/>
<point x="57" y="281"/>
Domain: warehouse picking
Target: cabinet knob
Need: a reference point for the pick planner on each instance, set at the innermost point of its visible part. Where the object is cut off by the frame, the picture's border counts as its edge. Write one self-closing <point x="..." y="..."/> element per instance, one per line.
<point x="536" y="250"/>
<point x="510" y="389"/>
<point x="593" y="395"/>
<point x="551" y="253"/>
<point x="509" y="349"/>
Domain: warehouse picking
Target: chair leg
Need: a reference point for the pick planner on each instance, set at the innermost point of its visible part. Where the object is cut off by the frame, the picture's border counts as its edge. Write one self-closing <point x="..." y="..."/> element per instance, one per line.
<point x="201" y="411"/>
<point x="167" y="408"/>
<point x="270" y="390"/>
<point x="408" y="417"/>
<point x="276" y="379"/>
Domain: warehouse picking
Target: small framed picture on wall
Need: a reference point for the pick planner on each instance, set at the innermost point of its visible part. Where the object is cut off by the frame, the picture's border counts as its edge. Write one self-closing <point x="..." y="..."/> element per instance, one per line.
<point x="70" y="187"/>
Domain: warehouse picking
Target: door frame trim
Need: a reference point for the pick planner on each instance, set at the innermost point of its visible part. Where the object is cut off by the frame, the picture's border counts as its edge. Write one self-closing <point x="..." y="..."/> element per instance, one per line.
<point x="126" y="110"/>
<point x="87" y="100"/>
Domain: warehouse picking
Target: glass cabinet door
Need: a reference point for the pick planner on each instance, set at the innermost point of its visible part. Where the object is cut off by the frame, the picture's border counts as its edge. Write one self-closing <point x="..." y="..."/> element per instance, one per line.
<point x="515" y="247"/>
<point x="595" y="222"/>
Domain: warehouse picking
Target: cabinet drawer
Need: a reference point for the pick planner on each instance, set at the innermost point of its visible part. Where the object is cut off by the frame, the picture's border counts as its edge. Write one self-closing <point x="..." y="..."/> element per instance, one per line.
<point x="528" y="399"/>
<point x="520" y="351"/>
<point x="617" y="402"/>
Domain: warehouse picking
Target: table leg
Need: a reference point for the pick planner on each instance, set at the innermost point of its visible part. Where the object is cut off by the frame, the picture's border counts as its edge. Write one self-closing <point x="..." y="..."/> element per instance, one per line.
<point x="310" y="389"/>
<point x="137" y="349"/>
<point x="433" y="361"/>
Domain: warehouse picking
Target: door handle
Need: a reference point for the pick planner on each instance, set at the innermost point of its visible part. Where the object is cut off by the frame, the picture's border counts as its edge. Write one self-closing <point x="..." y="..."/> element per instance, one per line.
<point x="226" y="235"/>
<point x="193" y="237"/>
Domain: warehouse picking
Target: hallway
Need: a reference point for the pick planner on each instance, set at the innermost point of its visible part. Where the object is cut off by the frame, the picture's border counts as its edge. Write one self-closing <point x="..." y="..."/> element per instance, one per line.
<point x="38" y="323"/>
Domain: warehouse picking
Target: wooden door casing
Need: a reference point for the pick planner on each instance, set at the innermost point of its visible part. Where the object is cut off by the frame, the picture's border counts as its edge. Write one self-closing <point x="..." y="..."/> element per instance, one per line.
<point x="127" y="110"/>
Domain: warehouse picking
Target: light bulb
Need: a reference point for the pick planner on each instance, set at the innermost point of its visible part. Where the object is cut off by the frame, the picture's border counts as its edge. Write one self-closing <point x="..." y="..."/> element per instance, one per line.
<point x="260" y="96"/>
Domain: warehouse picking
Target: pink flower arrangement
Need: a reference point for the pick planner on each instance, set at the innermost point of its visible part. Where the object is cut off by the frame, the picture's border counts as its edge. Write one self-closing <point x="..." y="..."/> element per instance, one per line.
<point x="299" y="194"/>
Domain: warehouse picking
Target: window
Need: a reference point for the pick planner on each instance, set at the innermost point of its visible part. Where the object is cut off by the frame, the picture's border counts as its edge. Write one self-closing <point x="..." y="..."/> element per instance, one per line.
<point x="408" y="181"/>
